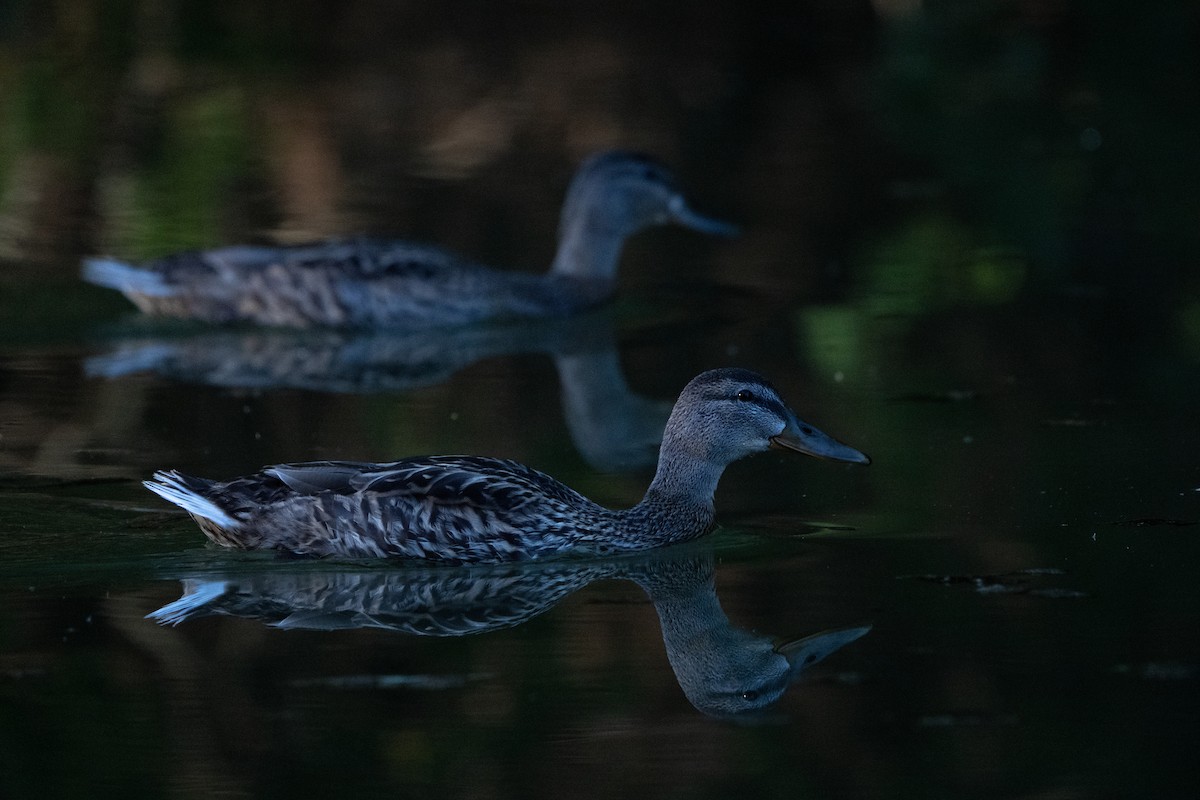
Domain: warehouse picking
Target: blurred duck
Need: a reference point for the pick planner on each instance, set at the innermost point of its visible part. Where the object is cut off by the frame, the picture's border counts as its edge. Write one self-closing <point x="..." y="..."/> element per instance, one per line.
<point x="368" y="282"/>
<point x="467" y="509"/>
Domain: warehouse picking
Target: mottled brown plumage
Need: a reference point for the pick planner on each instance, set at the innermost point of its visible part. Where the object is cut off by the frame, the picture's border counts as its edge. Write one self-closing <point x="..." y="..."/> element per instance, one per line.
<point x="367" y="282"/>
<point x="466" y="509"/>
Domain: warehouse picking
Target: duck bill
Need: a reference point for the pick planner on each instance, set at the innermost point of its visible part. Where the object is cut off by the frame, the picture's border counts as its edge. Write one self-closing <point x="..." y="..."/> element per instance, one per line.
<point x="803" y="438"/>
<point x="681" y="214"/>
<point x="803" y="653"/>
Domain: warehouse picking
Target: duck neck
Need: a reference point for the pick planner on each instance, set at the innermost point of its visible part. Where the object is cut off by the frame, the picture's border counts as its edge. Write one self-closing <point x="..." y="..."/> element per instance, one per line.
<point x="589" y="247"/>
<point x="678" y="506"/>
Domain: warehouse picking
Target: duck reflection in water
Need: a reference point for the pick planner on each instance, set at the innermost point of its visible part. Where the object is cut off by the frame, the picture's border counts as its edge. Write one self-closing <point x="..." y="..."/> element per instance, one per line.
<point x="725" y="671"/>
<point x="613" y="428"/>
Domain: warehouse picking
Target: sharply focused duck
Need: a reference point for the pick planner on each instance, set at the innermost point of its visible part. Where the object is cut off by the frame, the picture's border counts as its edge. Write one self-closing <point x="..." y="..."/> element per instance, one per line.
<point x="465" y="509"/>
<point x="368" y="282"/>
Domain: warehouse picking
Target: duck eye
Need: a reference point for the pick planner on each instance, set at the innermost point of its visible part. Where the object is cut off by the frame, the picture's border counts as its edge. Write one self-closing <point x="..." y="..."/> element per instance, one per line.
<point x="745" y="395"/>
<point x="749" y="695"/>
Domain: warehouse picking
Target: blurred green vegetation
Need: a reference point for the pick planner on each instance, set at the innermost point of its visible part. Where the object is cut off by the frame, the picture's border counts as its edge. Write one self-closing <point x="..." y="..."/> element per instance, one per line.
<point x="1068" y="129"/>
<point x="178" y="200"/>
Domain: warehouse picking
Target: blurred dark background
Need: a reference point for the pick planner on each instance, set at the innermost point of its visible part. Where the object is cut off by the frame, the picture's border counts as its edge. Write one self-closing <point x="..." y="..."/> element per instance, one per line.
<point x="984" y="148"/>
<point x="935" y="196"/>
<point x="970" y="248"/>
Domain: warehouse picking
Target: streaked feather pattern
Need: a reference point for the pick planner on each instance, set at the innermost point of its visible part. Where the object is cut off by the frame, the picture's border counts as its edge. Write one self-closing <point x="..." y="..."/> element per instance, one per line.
<point x="466" y="509"/>
<point x="370" y="282"/>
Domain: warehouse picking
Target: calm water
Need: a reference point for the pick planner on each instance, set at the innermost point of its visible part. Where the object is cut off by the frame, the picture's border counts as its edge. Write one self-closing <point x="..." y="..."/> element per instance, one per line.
<point x="989" y="289"/>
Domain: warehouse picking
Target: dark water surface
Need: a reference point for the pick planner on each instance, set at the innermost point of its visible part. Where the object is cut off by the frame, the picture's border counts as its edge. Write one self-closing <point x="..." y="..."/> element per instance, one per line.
<point x="969" y="250"/>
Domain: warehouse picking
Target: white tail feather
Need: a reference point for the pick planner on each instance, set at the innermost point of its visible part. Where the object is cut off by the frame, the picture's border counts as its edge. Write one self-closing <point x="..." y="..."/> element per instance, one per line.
<point x="124" y="277"/>
<point x="170" y="486"/>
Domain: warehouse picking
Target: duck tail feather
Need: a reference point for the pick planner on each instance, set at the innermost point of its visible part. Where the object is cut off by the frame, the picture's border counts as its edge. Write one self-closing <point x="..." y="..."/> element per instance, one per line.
<point x="125" y="278"/>
<point x="184" y="491"/>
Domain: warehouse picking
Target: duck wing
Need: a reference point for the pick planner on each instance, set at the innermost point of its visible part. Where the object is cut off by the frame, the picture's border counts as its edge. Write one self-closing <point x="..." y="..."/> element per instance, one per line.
<point x="365" y="258"/>
<point x="453" y="509"/>
<point x="492" y="483"/>
<point x="320" y="476"/>
<point x="360" y="258"/>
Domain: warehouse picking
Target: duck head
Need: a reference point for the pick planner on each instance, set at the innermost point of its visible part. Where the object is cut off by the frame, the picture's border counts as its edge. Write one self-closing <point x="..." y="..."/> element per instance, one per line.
<point x="727" y="414"/>
<point x="614" y="195"/>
